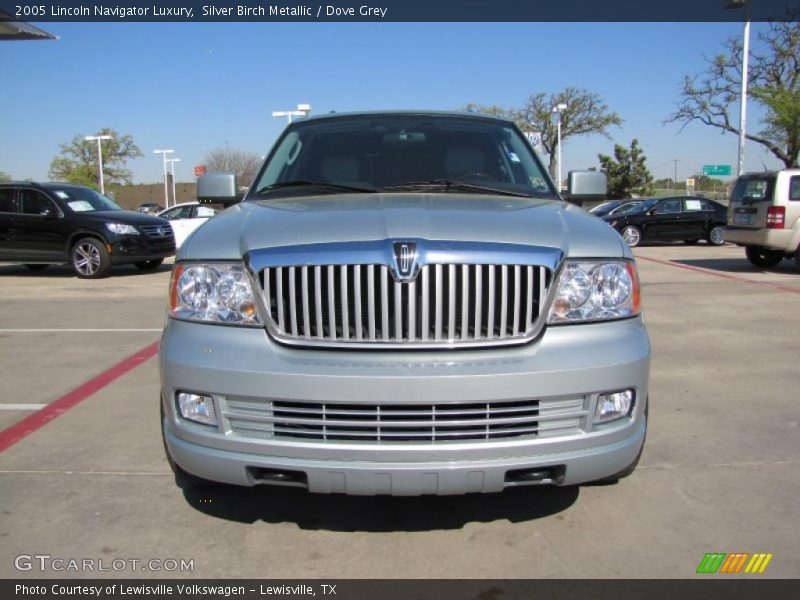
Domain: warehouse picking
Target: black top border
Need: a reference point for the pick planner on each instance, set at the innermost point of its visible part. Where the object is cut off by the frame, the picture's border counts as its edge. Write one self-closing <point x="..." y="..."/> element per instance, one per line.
<point x="401" y="11"/>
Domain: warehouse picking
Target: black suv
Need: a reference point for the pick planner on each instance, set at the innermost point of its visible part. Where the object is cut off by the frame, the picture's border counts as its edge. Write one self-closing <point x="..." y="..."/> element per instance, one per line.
<point x="46" y="223"/>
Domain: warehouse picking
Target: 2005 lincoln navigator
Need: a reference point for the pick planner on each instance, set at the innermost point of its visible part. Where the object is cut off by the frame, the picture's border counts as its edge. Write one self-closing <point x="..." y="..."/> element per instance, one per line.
<point x="403" y="304"/>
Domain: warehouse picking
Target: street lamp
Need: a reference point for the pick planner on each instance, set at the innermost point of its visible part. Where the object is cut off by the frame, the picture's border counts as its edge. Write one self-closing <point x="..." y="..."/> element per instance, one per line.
<point x="172" y="162"/>
<point x="301" y="111"/>
<point x="166" y="192"/>
<point x="557" y="110"/>
<point x="99" y="138"/>
<point x="736" y="4"/>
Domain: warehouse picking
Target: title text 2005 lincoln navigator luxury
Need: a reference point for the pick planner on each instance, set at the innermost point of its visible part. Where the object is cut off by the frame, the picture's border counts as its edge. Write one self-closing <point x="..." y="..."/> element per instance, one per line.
<point x="402" y="304"/>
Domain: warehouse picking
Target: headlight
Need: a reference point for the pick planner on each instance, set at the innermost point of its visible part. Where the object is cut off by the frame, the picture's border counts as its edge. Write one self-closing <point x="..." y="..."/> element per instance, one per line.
<point x="122" y="228"/>
<point x="596" y="291"/>
<point x="212" y="293"/>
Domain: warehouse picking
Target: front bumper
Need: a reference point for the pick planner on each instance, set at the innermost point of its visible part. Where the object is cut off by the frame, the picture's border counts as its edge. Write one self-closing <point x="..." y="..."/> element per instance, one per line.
<point x="566" y="361"/>
<point x="127" y="249"/>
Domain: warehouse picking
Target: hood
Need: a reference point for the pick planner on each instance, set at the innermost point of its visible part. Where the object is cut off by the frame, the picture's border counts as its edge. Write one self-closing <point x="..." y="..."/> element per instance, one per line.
<point x="367" y="217"/>
<point x="129" y="217"/>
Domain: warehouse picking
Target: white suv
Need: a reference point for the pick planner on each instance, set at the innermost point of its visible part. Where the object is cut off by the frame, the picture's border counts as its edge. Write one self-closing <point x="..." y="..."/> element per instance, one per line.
<point x="764" y="216"/>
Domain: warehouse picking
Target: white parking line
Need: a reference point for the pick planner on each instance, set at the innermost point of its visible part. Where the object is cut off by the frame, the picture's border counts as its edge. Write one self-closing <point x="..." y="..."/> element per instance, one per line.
<point x="22" y="406"/>
<point x="80" y="330"/>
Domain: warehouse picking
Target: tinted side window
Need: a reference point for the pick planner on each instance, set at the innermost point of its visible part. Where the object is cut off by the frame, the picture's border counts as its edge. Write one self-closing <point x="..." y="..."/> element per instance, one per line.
<point x="7" y="199"/>
<point x="32" y="202"/>
<point x="670" y="206"/>
<point x="794" y="188"/>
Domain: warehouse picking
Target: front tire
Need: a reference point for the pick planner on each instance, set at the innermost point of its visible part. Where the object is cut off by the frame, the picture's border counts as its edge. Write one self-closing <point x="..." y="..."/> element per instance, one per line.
<point x="90" y="259"/>
<point x="762" y="257"/>
<point x="716" y="235"/>
<point x="632" y="235"/>
<point x="149" y="265"/>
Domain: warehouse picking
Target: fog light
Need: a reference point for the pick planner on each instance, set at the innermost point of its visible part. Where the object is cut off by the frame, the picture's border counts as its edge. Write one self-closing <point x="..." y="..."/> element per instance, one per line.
<point x="197" y="408"/>
<point x="613" y="405"/>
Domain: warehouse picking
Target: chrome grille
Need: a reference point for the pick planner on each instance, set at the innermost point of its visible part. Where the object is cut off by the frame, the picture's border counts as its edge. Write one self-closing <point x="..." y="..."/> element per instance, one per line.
<point x="397" y="423"/>
<point x="158" y="232"/>
<point x="445" y="304"/>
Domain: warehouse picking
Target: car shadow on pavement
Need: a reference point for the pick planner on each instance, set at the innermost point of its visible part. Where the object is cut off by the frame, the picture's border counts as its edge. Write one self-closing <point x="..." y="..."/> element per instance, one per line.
<point x="336" y="512"/>
<point x="67" y="272"/>
<point x="735" y="265"/>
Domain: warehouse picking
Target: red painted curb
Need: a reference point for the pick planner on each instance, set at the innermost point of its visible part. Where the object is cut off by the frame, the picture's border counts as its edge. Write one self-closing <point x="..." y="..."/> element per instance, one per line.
<point x="765" y="284"/>
<point x="11" y="435"/>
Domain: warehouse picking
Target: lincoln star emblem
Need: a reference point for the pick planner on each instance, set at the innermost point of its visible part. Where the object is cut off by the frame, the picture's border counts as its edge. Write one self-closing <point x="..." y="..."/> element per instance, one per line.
<point x="405" y="257"/>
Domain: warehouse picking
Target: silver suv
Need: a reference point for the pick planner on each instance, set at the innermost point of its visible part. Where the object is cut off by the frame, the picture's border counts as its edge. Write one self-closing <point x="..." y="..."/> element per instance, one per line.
<point x="764" y="217"/>
<point x="403" y="304"/>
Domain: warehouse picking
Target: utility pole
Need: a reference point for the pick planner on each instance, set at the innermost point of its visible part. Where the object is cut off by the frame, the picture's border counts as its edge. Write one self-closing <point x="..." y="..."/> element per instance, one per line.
<point x="675" y="180"/>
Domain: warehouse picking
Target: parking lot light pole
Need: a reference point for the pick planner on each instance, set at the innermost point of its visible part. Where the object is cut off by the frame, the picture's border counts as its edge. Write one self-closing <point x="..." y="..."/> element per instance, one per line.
<point x="172" y="162"/>
<point x="557" y="110"/>
<point x="164" y="153"/>
<point x="99" y="138"/>
<point x="736" y="4"/>
<point x="301" y="111"/>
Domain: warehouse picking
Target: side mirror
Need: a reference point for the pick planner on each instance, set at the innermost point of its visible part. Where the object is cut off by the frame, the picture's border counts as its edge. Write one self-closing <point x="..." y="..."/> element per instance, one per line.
<point x="49" y="211"/>
<point x="217" y="187"/>
<point x="586" y="185"/>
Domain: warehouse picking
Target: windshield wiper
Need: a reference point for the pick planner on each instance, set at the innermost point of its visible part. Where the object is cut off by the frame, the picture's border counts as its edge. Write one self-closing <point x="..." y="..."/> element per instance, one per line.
<point x="308" y="183"/>
<point x="451" y="184"/>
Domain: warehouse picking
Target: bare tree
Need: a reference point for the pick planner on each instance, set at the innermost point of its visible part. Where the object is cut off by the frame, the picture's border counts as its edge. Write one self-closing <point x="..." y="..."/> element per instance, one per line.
<point x="586" y="114"/>
<point x="242" y="163"/>
<point x="774" y="80"/>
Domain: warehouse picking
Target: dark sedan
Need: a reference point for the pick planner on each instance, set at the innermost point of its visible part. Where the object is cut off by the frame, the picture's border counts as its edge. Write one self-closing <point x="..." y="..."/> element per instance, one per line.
<point x="689" y="218"/>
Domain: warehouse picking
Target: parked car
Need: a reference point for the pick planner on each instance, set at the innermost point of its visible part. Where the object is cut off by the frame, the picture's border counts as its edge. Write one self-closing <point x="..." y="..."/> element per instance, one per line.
<point x="150" y="208"/>
<point x="185" y="218"/>
<point x="47" y="223"/>
<point x="764" y="216"/>
<point x="403" y="304"/>
<point x="689" y="218"/>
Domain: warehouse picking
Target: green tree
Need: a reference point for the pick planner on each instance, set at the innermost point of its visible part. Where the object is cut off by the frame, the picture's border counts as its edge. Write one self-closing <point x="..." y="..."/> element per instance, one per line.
<point x="774" y="82"/>
<point x="4" y="177"/>
<point x="586" y="114"/>
<point x="77" y="162"/>
<point x="626" y="172"/>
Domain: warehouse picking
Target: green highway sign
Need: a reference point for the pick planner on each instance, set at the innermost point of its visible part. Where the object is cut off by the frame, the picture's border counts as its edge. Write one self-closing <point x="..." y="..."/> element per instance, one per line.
<point x="712" y="170"/>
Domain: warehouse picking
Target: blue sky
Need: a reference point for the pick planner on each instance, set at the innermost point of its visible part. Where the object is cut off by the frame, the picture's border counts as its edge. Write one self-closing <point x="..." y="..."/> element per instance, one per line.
<point x="197" y="86"/>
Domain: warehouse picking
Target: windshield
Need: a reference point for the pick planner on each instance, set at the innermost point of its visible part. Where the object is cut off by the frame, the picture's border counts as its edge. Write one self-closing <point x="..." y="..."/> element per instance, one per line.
<point x="634" y="207"/>
<point x="84" y="199"/>
<point x="394" y="152"/>
<point x="604" y="208"/>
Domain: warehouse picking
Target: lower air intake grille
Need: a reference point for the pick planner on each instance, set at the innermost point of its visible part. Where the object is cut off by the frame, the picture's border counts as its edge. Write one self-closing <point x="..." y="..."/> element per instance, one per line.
<point x="391" y="423"/>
